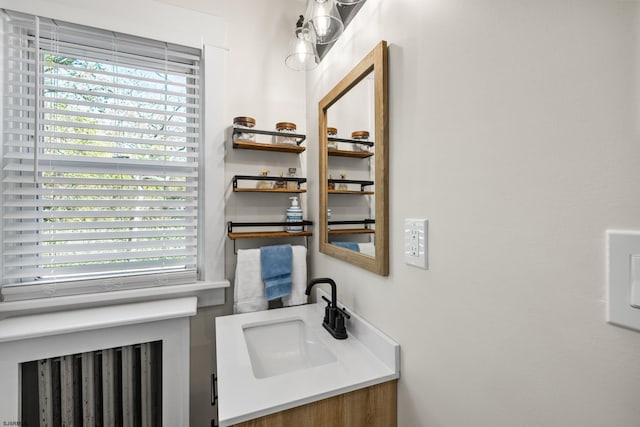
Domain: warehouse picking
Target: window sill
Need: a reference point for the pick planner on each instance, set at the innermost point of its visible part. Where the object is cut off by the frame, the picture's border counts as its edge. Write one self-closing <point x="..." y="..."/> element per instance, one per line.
<point x="88" y="319"/>
<point x="209" y="293"/>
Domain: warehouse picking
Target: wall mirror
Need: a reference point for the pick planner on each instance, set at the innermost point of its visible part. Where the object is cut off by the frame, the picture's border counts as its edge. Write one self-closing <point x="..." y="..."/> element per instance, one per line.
<point x="353" y="119"/>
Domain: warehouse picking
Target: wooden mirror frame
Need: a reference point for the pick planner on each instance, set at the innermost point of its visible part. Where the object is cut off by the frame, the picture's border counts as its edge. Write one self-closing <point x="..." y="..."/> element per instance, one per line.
<point x="375" y="61"/>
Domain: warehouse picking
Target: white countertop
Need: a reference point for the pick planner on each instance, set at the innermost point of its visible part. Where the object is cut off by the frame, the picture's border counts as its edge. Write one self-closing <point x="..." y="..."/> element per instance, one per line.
<point x="367" y="357"/>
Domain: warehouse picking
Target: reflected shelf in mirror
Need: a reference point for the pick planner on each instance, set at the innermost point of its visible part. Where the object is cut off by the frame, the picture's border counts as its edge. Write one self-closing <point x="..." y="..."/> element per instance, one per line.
<point x="351" y="141"/>
<point x="366" y="223"/>
<point x="344" y="153"/>
<point x="345" y="190"/>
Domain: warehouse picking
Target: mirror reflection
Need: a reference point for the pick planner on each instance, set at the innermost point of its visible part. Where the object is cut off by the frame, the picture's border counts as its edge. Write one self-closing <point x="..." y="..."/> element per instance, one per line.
<point x="353" y="166"/>
<point x="351" y="169"/>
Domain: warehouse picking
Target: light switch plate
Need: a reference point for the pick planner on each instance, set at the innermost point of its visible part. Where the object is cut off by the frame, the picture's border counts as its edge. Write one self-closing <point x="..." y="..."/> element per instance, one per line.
<point x="623" y="249"/>
<point x="635" y="281"/>
<point x="415" y="242"/>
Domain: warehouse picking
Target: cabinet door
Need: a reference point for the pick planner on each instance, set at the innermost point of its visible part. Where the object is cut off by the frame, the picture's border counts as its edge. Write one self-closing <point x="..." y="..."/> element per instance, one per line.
<point x="374" y="406"/>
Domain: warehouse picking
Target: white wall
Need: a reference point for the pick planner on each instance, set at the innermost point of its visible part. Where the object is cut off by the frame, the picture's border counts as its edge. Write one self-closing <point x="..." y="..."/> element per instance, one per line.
<point x="519" y="120"/>
<point x="257" y="84"/>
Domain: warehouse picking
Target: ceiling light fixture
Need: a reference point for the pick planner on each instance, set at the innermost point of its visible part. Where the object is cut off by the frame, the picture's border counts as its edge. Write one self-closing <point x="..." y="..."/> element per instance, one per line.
<point x="324" y="20"/>
<point x="317" y="31"/>
<point x="302" y="52"/>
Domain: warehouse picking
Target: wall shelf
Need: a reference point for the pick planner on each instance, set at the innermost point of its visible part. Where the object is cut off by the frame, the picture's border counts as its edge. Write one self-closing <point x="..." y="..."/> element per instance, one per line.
<point x="271" y="229"/>
<point x="250" y="145"/>
<point x="298" y="181"/>
<point x="269" y="190"/>
<point x="268" y="234"/>
<point x="282" y="148"/>
<point x="256" y="224"/>
<point x="235" y="235"/>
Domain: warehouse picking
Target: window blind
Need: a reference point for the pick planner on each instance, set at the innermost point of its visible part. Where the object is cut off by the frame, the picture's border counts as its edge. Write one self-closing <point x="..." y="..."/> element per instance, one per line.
<point x="101" y="135"/>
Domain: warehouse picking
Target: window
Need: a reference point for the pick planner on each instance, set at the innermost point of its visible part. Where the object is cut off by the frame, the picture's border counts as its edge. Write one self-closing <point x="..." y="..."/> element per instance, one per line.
<point x="100" y="160"/>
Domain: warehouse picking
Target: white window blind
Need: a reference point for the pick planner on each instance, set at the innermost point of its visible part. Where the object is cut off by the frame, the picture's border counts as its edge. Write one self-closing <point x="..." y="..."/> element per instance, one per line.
<point x="101" y="135"/>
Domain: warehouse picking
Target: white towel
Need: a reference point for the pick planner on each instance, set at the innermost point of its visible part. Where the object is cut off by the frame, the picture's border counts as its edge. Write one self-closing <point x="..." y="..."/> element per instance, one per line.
<point x="298" y="278"/>
<point x="249" y="288"/>
<point x="367" y="249"/>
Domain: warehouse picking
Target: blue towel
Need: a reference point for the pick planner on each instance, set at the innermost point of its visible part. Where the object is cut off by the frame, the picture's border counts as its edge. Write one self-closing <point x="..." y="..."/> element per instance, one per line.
<point x="348" y="245"/>
<point x="276" y="265"/>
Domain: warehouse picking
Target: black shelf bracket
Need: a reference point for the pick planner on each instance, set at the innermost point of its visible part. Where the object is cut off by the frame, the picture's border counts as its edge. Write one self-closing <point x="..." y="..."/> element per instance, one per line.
<point x="351" y="181"/>
<point x="237" y="178"/>
<point x="303" y="223"/>
<point x="232" y="224"/>
<point x="351" y="141"/>
<point x="365" y="222"/>
<point x="298" y="137"/>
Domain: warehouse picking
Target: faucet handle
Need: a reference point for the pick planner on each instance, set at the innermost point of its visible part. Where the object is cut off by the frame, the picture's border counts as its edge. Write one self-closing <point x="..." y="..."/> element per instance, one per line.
<point x="327" y="311"/>
<point x="340" y="330"/>
<point x="343" y="311"/>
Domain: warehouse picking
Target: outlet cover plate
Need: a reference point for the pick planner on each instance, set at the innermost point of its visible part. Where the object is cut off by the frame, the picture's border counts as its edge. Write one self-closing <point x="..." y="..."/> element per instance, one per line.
<point x="415" y="242"/>
<point x="623" y="274"/>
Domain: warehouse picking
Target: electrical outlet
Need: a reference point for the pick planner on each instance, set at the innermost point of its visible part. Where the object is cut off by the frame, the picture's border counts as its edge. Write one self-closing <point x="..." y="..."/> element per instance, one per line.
<point x="415" y="242"/>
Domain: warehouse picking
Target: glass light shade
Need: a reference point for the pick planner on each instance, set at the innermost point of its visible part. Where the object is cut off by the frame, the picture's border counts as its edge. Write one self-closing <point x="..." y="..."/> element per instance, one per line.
<point x="302" y="53"/>
<point x="325" y="20"/>
<point x="349" y="2"/>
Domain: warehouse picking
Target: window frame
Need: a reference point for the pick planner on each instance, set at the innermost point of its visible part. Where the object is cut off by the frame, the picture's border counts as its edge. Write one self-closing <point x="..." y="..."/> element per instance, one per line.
<point x="210" y="256"/>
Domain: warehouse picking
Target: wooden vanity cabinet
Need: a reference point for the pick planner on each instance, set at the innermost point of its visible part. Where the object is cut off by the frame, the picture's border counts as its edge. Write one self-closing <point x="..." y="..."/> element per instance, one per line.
<point x="374" y="406"/>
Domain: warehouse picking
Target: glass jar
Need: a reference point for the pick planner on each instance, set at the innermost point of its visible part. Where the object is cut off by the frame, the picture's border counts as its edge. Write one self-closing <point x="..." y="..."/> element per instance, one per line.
<point x="262" y="184"/>
<point x="292" y="185"/>
<point x="244" y="124"/>
<point x="360" y="136"/>
<point x="342" y="186"/>
<point x="287" y="128"/>
<point x="332" y="133"/>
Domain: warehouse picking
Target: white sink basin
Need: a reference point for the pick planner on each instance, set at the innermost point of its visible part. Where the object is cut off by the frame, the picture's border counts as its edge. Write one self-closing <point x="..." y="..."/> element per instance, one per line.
<point x="272" y="360"/>
<point x="282" y="346"/>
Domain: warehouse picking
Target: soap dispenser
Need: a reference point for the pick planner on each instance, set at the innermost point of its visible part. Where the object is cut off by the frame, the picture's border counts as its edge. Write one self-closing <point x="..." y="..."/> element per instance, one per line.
<point x="294" y="214"/>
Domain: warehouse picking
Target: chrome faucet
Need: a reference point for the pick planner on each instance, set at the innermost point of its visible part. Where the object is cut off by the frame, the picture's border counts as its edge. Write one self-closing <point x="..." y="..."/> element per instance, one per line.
<point x="334" y="316"/>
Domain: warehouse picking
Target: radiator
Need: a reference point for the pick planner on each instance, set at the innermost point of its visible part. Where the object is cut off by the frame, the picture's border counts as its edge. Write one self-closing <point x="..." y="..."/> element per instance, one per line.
<point x="111" y="387"/>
